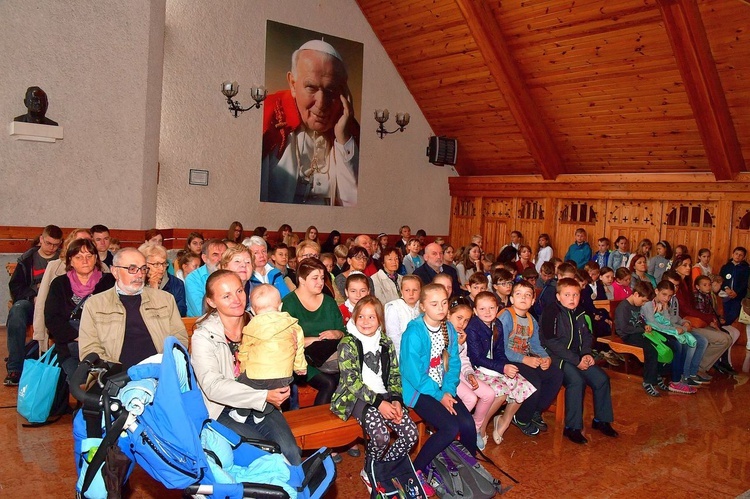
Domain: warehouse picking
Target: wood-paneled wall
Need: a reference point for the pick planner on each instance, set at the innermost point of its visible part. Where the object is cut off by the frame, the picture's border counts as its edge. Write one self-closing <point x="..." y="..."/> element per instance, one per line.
<point x="689" y="209"/>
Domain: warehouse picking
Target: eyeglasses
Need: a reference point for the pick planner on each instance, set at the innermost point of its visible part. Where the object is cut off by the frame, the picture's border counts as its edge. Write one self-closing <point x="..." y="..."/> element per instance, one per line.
<point x="505" y="283"/>
<point x="359" y="257"/>
<point x="50" y="244"/>
<point x="133" y="269"/>
<point x="158" y="265"/>
<point x="309" y="255"/>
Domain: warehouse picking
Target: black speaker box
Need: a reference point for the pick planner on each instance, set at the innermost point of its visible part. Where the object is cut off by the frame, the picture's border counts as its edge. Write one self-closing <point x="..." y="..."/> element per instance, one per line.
<point x="442" y="151"/>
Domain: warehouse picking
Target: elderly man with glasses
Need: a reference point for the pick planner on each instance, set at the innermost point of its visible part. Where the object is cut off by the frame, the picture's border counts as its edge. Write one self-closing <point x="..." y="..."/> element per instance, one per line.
<point x="24" y="286"/>
<point x="129" y="323"/>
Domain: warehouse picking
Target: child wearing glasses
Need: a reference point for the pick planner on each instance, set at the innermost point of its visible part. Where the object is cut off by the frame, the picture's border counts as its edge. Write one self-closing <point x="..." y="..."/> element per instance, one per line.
<point x="502" y="283"/>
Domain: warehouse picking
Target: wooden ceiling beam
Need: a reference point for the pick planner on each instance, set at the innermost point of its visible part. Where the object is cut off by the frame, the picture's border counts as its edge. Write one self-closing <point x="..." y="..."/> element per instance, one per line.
<point x="692" y="52"/>
<point x="489" y="38"/>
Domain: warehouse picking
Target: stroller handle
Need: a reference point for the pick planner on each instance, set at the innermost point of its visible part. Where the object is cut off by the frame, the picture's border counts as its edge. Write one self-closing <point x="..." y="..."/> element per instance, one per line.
<point x="79" y="378"/>
<point x="108" y="381"/>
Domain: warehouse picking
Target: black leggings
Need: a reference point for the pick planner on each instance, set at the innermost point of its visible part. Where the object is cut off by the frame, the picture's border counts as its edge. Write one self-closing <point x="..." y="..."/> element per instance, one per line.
<point x="325" y="384"/>
<point x="446" y="425"/>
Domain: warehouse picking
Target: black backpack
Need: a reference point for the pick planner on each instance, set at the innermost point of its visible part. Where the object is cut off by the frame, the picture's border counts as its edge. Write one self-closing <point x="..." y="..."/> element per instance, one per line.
<point x="456" y="474"/>
<point x="393" y="479"/>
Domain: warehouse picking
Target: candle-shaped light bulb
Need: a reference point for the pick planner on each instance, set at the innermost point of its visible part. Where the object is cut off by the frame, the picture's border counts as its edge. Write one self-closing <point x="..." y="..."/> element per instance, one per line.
<point x="230" y="88"/>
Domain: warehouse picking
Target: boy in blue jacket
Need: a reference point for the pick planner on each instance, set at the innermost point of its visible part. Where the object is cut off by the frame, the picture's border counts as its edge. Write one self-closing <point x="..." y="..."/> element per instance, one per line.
<point x="567" y="338"/>
<point x="579" y="251"/>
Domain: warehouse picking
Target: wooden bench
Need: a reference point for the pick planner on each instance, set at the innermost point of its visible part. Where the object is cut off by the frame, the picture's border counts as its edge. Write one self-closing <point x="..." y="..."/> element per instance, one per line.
<point x="189" y="323"/>
<point x="619" y="346"/>
<point x="315" y="427"/>
<point x="615" y="342"/>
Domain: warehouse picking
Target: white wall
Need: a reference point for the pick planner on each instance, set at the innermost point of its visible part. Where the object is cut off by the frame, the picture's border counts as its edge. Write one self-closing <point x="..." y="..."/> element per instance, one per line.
<point x="209" y="42"/>
<point x="100" y="63"/>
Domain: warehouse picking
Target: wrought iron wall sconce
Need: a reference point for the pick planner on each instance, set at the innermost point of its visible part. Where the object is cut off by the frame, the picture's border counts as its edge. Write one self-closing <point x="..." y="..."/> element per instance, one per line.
<point x="382" y="115"/>
<point x="230" y="89"/>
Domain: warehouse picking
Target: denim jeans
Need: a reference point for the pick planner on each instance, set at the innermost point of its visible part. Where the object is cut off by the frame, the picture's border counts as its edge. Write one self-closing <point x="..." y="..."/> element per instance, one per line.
<point x="20" y="317"/>
<point x="694" y="355"/>
<point x="680" y="351"/>
<point x="273" y="427"/>
<point x="70" y="364"/>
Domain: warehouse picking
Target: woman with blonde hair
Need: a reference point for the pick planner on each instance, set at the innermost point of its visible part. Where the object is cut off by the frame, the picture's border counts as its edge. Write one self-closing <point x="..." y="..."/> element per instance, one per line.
<point x="217" y="336"/>
<point x="240" y="261"/>
<point x="158" y="277"/>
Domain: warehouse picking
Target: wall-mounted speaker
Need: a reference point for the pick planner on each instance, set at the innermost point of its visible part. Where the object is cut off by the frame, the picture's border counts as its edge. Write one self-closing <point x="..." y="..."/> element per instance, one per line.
<point x="442" y="151"/>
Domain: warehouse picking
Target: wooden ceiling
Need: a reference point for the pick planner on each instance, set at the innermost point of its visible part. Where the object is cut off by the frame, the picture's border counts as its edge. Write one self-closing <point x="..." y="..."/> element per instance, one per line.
<point x="583" y="87"/>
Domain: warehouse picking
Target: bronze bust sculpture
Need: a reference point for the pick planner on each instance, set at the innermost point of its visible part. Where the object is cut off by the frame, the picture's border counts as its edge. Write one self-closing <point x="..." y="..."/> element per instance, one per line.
<point x="36" y="103"/>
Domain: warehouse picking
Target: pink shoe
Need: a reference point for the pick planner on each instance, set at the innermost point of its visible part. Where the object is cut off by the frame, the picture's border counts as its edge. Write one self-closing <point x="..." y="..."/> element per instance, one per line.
<point x="428" y="490"/>
<point x="681" y="388"/>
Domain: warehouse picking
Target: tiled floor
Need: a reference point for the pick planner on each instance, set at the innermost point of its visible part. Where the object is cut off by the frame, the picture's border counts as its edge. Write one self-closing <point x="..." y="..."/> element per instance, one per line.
<point x="675" y="446"/>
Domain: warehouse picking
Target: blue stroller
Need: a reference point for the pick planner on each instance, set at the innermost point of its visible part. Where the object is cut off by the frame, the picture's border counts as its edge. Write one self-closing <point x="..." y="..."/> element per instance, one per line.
<point x="153" y="415"/>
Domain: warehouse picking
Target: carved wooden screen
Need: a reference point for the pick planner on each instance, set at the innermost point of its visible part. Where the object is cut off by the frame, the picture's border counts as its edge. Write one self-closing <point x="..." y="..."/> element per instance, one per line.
<point x="574" y="214"/>
<point x="636" y="220"/>
<point x="496" y="215"/>
<point x="531" y="218"/>
<point x="465" y="220"/>
<point x="691" y="224"/>
<point x="740" y="228"/>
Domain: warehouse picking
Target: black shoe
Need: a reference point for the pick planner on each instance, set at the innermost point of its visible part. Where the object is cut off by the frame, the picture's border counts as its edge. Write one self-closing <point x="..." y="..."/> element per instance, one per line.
<point x="719" y="368"/>
<point x="539" y="421"/>
<point x="575" y="436"/>
<point x="605" y="428"/>
<point x="529" y="429"/>
<point x="728" y="367"/>
<point x="12" y="378"/>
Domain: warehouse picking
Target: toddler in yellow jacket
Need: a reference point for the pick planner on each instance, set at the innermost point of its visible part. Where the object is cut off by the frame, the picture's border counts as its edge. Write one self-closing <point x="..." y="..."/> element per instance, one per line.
<point x="272" y="348"/>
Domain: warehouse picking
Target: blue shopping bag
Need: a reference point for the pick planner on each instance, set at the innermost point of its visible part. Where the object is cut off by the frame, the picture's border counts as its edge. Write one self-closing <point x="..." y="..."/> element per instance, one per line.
<point x="37" y="387"/>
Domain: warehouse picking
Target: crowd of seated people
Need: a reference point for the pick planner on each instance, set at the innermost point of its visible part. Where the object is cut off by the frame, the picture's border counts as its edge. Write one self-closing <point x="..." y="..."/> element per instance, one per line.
<point x="461" y="333"/>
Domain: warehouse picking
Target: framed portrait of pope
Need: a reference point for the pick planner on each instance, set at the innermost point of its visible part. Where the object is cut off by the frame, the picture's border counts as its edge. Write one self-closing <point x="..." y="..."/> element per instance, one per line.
<point x="311" y="134"/>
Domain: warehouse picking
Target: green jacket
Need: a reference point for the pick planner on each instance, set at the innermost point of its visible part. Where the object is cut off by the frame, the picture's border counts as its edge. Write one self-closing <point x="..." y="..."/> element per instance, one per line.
<point x="351" y="387"/>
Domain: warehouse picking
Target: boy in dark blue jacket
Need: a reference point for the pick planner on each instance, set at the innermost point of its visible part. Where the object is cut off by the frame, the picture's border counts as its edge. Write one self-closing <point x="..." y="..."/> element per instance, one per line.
<point x="567" y="338"/>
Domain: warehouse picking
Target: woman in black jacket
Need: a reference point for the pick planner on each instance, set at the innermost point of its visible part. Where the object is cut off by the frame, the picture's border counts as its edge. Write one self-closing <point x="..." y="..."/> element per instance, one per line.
<point x="67" y="295"/>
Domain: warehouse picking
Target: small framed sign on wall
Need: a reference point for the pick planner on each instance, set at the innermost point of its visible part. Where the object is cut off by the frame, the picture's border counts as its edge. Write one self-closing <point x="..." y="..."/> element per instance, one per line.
<point x="198" y="177"/>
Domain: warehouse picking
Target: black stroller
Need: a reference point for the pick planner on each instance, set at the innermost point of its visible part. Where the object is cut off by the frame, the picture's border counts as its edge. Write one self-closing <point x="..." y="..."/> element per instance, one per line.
<point x="154" y="416"/>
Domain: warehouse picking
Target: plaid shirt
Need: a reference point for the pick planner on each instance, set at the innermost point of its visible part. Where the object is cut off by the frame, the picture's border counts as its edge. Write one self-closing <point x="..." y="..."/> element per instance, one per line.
<point x="704" y="304"/>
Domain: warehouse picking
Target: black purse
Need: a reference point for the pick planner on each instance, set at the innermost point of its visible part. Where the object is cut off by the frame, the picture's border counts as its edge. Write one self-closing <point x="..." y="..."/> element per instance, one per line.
<point x="318" y="353"/>
<point x="75" y="316"/>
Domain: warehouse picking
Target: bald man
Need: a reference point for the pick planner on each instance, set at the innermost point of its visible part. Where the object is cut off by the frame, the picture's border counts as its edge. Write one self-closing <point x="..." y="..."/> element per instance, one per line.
<point x="370" y="245"/>
<point x="433" y="265"/>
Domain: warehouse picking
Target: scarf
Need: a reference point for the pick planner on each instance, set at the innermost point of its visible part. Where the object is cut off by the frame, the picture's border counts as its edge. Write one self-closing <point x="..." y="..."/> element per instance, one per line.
<point x="83" y="290"/>
<point x="371" y="375"/>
